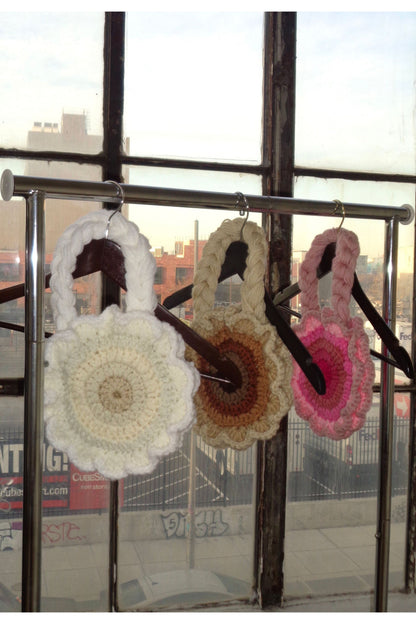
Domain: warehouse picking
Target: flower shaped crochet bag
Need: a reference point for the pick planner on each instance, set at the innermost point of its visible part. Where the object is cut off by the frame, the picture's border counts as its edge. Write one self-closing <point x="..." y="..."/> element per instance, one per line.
<point x="337" y="343"/>
<point x="243" y="334"/>
<point x="118" y="392"/>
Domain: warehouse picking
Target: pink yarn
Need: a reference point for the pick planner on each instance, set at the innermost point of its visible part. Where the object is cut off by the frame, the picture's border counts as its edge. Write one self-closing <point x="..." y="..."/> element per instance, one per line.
<point x="337" y="343"/>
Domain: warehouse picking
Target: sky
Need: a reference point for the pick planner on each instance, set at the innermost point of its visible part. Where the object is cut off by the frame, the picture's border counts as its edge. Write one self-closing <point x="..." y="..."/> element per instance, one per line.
<point x="193" y="89"/>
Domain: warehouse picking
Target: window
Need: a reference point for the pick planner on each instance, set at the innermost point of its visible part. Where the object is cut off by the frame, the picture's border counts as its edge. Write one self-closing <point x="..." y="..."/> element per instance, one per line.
<point x="343" y="151"/>
<point x="159" y="275"/>
<point x="64" y="132"/>
<point x="9" y="272"/>
<point x="183" y="275"/>
<point x="195" y="100"/>
<point x="205" y="119"/>
<point x="373" y="66"/>
<point x="52" y="119"/>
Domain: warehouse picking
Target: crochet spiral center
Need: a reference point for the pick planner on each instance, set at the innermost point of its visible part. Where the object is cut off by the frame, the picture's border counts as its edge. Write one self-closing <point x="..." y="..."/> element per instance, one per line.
<point x="331" y="355"/>
<point x="116" y="393"/>
<point x="244" y="405"/>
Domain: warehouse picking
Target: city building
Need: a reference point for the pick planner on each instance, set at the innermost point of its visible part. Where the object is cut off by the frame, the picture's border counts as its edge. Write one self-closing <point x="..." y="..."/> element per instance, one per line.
<point x="70" y="135"/>
<point x="174" y="271"/>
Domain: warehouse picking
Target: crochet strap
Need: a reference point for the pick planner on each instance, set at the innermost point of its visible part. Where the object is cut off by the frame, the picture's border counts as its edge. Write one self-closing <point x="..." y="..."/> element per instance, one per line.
<point x="343" y="267"/>
<point x="209" y="267"/>
<point x="139" y="263"/>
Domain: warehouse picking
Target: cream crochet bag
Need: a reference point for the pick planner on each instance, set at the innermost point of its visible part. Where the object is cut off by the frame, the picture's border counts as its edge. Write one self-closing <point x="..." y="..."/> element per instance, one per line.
<point x="242" y="333"/>
<point x="118" y="392"/>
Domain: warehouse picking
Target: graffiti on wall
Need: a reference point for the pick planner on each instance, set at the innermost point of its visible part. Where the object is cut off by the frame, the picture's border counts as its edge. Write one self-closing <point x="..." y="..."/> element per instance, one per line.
<point x="61" y="533"/>
<point x="208" y="523"/>
<point x="52" y="534"/>
<point x="10" y="535"/>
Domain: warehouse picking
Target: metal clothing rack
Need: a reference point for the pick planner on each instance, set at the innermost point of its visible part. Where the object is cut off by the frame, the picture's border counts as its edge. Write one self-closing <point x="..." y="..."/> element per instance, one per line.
<point x="36" y="191"/>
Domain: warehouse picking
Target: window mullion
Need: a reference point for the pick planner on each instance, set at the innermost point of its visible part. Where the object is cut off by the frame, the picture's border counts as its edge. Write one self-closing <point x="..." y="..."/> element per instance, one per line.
<point x="114" y="42"/>
<point x="278" y="146"/>
<point x="113" y="100"/>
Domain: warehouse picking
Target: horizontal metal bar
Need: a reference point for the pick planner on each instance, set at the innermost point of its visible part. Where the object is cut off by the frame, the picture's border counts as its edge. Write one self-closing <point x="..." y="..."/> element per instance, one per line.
<point x="23" y="186"/>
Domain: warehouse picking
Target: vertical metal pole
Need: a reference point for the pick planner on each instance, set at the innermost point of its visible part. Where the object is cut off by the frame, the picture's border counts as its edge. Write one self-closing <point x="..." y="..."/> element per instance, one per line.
<point x="192" y="456"/>
<point x="113" y="547"/>
<point x="33" y="402"/>
<point x="386" y="423"/>
<point x="410" y="564"/>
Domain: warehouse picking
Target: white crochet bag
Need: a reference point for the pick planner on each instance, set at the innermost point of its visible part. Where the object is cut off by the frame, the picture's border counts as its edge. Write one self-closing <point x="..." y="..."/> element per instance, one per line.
<point x="118" y="391"/>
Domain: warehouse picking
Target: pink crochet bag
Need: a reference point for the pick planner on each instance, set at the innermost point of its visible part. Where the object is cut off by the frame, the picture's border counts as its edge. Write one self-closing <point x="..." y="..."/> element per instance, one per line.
<point x="337" y="343"/>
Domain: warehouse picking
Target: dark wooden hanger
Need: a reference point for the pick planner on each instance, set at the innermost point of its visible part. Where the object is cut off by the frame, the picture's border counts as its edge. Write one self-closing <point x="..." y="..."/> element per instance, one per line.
<point x="235" y="264"/>
<point x="401" y="357"/>
<point x="106" y="256"/>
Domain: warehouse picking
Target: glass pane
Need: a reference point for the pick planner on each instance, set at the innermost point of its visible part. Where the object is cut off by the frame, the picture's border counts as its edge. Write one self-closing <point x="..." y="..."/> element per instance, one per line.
<point x="75" y="504"/>
<point x="332" y="506"/>
<point x="355" y="91"/>
<point x="194" y="85"/>
<point x="172" y="554"/>
<point x="370" y="232"/>
<point x="47" y="101"/>
<point x="75" y="536"/>
<point x="400" y="476"/>
<point x="164" y="558"/>
<point x="332" y="485"/>
<point x="11" y="441"/>
<point x="164" y="225"/>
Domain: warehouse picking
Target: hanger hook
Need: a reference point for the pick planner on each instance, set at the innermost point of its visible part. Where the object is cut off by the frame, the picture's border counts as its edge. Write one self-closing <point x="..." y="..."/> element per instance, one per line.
<point x="246" y="210"/>
<point x="120" y="194"/>
<point x="339" y="204"/>
<point x="107" y="229"/>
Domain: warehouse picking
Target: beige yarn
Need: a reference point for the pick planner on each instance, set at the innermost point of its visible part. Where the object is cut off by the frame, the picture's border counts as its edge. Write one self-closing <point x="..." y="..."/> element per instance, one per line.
<point x="242" y="333"/>
<point x="209" y="268"/>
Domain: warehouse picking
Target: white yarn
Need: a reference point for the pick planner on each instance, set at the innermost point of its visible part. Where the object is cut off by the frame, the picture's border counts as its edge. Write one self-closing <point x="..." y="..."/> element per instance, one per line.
<point x="140" y="265"/>
<point x="118" y="392"/>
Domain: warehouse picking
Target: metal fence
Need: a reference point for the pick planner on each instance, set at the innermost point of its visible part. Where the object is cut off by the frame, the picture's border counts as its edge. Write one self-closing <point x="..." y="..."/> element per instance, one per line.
<point x="318" y="468"/>
<point x="222" y="477"/>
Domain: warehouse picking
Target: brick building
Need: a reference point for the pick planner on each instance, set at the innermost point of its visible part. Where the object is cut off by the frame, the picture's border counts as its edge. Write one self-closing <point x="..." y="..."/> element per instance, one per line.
<point x="174" y="271"/>
<point x="71" y="135"/>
